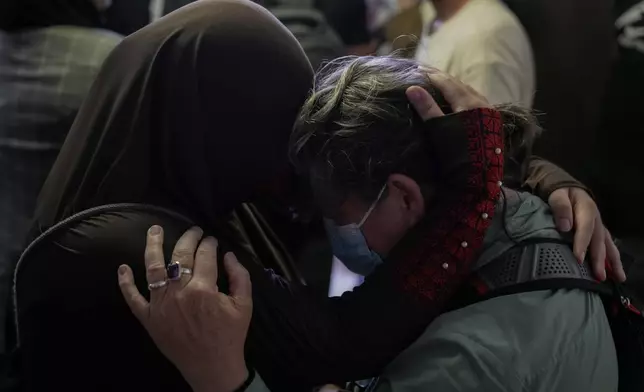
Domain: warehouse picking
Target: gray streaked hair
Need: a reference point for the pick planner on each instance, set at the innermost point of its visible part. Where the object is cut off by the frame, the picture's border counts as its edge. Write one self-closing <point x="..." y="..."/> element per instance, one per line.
<point x="357" y="128"/>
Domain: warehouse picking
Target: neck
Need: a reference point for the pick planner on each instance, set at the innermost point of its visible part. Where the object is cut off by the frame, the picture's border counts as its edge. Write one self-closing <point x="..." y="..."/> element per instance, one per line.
<point x="445" y="9"/>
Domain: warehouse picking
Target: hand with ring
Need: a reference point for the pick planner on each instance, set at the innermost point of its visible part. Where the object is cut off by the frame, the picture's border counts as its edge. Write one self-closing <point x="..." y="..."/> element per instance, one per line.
<point x="201" y="330"/>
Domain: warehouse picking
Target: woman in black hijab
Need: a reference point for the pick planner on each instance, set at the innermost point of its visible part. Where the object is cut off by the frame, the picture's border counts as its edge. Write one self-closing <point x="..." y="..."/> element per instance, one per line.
<point x="191" y="116"/>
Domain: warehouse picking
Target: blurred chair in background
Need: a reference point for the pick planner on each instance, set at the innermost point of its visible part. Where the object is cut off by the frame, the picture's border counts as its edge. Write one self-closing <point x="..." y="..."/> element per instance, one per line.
<point x="50" y="52"/>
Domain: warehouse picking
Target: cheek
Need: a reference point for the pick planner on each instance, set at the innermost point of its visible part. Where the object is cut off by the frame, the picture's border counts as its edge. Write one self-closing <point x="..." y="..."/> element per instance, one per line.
<point x="384" y="231"/>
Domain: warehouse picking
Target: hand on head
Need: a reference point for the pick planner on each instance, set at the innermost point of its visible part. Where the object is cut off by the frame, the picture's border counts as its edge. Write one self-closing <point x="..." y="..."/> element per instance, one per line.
<point x="199" y="329"/>
<point x="573" y="208"/>
<point x="458" y="95"/>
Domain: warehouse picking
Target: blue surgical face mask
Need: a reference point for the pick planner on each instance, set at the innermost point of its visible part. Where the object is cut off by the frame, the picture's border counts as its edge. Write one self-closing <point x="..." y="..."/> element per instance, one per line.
<point x="350" y="246"/>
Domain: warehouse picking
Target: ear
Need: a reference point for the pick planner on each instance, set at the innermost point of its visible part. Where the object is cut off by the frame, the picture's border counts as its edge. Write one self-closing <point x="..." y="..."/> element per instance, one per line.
<point x="410" y="195"/>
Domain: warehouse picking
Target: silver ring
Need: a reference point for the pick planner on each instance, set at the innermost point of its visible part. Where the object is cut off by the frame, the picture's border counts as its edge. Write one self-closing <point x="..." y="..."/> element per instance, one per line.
<point x="186" y="271"/>
<point x="157" y="285"/>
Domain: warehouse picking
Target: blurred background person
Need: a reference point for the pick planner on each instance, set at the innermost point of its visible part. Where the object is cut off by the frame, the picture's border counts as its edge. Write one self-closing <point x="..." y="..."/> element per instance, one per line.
<point x="482" y="43"/>
<point x="537" y="53"/>
<point x="50" y="52"/>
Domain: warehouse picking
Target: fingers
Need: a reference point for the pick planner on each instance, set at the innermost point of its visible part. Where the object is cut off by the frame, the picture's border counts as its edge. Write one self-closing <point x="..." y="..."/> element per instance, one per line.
<point x="137" y="303"/>
<point x="155" y="271"/>
<point x="614" y="258"/>
<point x="460" y="96"/>
<point x="184" y="251"/>
<point x="186" y="247"/>
<point x="585" y="212"/>
<point x="206" y="261"/>
<point x="561" y="206"/>
<point x="424" y="103"/>
<point x="240" y="285"/>
<point x="598" y="250"/>
<point x="590" y="232"/>
<point x="451" y="89"/>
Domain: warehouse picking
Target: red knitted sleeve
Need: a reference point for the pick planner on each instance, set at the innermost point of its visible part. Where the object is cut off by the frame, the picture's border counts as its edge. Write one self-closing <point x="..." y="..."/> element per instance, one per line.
<point x="449" y="240"/>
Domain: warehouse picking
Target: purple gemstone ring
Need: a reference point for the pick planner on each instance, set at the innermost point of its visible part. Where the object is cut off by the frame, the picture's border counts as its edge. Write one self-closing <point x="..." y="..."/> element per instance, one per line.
<point x="174" y="270"/>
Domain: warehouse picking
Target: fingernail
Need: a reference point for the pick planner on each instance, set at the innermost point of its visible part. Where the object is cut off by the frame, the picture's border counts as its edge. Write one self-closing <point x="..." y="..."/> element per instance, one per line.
<point x="122" y="270"/>
<point x="414" y="95"/>
<point x="564" y="225"/>
<point x="155" y="230"/>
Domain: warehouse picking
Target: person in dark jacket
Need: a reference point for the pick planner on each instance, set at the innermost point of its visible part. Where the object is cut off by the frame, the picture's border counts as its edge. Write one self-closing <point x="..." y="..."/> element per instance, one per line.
<point x="190" y="117"/>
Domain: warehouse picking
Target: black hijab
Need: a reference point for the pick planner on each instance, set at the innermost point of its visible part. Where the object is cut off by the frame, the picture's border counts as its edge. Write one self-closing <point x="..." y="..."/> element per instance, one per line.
<point x="191" y="113"/>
